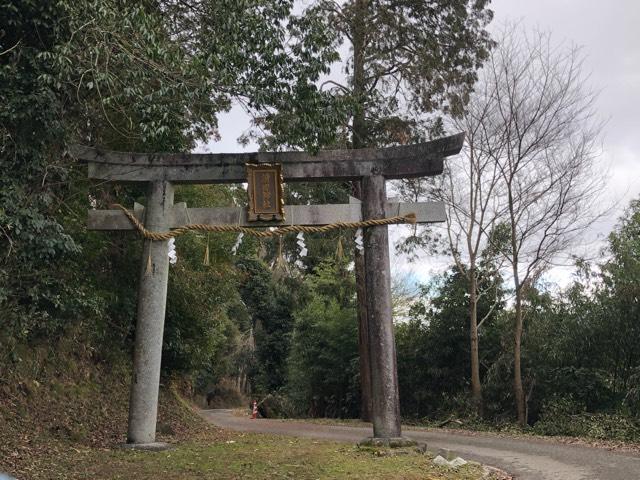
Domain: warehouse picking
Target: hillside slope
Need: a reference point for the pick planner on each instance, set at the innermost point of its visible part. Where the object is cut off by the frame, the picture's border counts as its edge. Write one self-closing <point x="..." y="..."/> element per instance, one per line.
<point x="55" y="402"/>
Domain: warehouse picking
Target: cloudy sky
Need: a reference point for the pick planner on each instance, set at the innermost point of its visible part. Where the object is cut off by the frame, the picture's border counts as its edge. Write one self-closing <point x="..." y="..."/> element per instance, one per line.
<point x="609" y="33"/>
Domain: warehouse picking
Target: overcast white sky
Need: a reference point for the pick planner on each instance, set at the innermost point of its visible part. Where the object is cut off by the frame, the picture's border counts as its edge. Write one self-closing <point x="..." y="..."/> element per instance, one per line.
<point x="609" y="32"/>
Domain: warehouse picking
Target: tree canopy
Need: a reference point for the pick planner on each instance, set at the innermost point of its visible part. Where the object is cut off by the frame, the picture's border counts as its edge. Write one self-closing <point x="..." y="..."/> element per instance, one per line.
<point x="156" y="75"/>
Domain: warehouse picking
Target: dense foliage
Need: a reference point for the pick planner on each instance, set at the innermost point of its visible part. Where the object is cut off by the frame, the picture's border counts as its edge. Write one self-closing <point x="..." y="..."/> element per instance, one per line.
<point x="580" y="363"/>
<point x="148" y="76"/>
<point x="433" y="346"/>
<point x="323" y="364"/>
<point x="154" y="76"/>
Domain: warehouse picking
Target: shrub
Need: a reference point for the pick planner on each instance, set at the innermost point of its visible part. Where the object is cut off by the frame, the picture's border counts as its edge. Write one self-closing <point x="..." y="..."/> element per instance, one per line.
<point x="564" y="416"/>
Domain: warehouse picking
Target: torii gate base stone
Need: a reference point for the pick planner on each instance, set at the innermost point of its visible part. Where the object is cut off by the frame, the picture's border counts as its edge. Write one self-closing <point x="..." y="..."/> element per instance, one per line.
<point x="370" y="166"/>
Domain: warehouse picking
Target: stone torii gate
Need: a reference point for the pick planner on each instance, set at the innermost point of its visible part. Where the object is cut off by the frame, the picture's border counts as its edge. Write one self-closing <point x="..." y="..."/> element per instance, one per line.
<point x="162" y="171"/>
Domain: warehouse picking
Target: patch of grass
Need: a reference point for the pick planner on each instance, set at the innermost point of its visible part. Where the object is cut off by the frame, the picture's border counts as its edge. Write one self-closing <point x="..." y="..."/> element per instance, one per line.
<point x="258" y="456"/>
<point x="63" y="416"/>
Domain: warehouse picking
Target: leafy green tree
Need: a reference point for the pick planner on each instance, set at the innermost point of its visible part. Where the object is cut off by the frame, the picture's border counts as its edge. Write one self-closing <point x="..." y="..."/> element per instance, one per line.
<point x="561" y="354"/>
<point x="270" y="304"/>
<point x="268" y="59"/>
<point x="127" y="76"/>
<point x="200" y="330"/>
<point x="620" y="300"/>
<point x="32" y="240"/>
<point x="323" y="363"/>
<point x="579" y="366"/>
<point x="433" y="347"/>
<point x="408" y="59"/>
<point x="426" y="53"/>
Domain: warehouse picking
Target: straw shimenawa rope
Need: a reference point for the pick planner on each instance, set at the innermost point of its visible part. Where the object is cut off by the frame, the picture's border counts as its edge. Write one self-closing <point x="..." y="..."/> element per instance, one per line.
<point x="408" y="218"/>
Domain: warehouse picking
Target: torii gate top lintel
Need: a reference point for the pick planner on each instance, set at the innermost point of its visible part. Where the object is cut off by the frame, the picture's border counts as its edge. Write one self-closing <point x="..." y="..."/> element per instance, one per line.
<point x="405" y="161"/>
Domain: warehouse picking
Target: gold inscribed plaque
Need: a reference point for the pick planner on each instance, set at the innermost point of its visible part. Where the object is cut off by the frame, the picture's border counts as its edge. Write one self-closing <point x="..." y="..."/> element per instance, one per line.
<point x="266" y="201"/>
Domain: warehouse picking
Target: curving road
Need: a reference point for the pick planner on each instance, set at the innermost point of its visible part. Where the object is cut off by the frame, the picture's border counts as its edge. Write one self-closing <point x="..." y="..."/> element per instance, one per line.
<point x="527" y="459"/>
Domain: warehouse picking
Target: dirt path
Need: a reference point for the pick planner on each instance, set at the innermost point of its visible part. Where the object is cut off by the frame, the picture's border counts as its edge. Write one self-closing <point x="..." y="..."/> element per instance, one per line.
<point x="528" y="459"/>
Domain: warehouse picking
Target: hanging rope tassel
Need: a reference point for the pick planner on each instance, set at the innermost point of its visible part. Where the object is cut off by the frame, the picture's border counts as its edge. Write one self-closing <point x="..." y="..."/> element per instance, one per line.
<point x="280" y="265"/>
<point x="149" y="268"/>
<point x="339" y="249"/>
<point x="262" y="250"/>
<point x="205" y="261"/>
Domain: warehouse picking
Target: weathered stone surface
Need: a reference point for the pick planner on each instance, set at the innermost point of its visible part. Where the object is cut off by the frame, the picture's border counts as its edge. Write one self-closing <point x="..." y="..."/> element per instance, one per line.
<point x="405" y="161"/>
<point x="178" y="215"/>
<point x="447" y="454"/>
<point x="457" y="462"/>
<point x="440" y="460"/>
<point x="382" y="350"/>
<point x="150" y="447"/>
<point x="387" y="442"/>
<point x="152" y="299"/>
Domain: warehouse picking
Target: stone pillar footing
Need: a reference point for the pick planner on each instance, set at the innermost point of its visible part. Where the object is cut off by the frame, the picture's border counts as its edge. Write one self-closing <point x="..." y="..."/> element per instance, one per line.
<point x="150" y="447"/>
<point x="392" y="442"/>
<point x="447" y="454"/>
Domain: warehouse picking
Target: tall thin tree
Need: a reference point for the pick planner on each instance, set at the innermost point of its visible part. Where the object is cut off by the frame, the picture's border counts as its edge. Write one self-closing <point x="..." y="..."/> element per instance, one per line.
<point x="408" y="58"/>
<point x="544" y="140"/>
<point x="469" y="190"/>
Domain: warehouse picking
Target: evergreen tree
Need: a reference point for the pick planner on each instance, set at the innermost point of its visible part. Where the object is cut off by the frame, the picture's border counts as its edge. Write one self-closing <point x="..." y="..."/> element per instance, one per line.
<point x="323" y="364"/>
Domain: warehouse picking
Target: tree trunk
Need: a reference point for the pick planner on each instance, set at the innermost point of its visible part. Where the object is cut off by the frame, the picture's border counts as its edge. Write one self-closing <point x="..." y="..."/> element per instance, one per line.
<point x="517" y="368"/>
<point x="363" y="330"/>
<point x="359" y="133"/>
<point x="476" y="387"/>
<point x="518" y="390"/>
<point x="358" y="140"/>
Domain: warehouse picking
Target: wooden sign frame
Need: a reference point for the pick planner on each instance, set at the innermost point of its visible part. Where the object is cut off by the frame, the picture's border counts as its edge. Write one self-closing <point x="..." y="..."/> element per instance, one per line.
<point x="266" y="197"/>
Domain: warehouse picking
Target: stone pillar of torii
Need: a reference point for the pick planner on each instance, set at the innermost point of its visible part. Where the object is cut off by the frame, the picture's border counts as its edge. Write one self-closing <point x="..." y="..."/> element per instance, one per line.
<point x="372" y="167"/>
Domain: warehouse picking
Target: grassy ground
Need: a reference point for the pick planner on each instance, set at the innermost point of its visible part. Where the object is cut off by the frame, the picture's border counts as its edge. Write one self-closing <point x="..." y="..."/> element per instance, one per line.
<point x="253" y="456"/>
<point x="63" y="416"/>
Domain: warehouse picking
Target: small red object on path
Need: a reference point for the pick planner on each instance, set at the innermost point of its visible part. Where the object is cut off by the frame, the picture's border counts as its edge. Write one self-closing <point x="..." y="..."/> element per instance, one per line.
<point x="254" y="414"/>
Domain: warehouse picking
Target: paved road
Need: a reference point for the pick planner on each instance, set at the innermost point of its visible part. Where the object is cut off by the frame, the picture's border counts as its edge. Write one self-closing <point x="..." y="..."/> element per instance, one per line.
<point x="527" y="459"/>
